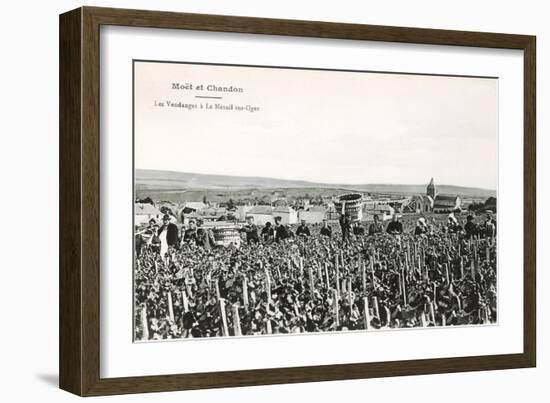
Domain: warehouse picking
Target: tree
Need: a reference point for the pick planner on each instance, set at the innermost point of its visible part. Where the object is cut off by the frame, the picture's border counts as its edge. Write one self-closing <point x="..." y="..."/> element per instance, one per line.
<point x="476" y="207"/>
<point x="204" y="199"/>
<point x="491" y="204"/>
<point x="146" y="200"/>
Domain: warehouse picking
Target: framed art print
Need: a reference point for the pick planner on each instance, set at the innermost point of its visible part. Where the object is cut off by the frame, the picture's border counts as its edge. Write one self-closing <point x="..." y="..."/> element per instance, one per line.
<point x="266" y="201"/>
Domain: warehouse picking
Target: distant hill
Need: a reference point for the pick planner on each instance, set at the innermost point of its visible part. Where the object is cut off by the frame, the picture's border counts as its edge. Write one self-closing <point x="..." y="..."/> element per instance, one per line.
<point x="152" y="179"/>
<point x="170" y="181"/>
<point x="421" y="189"/>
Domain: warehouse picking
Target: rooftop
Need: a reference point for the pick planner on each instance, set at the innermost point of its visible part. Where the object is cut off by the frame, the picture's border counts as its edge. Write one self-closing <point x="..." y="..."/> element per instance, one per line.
<point x="266" y="210"/>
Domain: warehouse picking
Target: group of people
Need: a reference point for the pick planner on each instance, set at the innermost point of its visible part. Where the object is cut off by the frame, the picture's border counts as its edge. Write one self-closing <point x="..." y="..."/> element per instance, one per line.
<point x="315" y="278"/>
<point x="161" y="237"/>
<point x="470" y="229"/>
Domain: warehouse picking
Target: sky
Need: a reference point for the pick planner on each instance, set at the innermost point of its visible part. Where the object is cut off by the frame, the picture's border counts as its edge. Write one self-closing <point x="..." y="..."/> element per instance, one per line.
<point x="320" y="126"/>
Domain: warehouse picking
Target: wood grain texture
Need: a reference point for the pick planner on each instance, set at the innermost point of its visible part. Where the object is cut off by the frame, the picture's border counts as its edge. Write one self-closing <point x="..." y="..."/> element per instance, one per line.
<point x="80" y="200"/>
<point x="90" y="202"/>
<point x="530" y="202"/>
<point x="70" y="271"/>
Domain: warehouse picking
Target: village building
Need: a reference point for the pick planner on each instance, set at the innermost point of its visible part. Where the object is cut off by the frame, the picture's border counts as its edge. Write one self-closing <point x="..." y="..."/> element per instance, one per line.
<point x="189" y="207"/>
<point x="144" y="212"/>
<point x="442" y="203"/>
<point x="210" y="214"/>
<point x="261" y="214"/>
<point x="313" y="215"/>
<point x="447" y="203"/>
<point x="288" y="215"/>
<point x="418" y="204"/>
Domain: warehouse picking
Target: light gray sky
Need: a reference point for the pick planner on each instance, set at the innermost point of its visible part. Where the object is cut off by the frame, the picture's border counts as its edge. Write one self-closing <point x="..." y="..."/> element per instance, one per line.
<point x="321" y="126"/>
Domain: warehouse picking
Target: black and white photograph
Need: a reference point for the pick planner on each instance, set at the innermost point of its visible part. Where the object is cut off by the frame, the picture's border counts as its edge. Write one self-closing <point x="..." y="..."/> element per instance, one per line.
<point x="275" y="200"/>
<point x="251" y="201"/>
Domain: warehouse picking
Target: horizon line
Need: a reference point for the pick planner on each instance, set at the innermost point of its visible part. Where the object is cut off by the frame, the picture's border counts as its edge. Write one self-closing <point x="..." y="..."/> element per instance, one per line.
<point x="315" y="183"/>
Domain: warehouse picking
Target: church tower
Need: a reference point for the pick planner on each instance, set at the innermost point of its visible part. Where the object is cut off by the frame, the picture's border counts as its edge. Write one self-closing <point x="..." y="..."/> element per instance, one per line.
<point x="431" y="190"/>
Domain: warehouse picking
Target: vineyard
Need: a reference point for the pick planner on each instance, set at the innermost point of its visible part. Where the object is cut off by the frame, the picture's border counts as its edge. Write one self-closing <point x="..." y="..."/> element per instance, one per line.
<point x="318" y="284"/>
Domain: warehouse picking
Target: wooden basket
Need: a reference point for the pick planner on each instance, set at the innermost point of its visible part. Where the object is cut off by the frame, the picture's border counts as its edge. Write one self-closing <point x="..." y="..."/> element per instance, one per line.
<point x="353" y="205"/>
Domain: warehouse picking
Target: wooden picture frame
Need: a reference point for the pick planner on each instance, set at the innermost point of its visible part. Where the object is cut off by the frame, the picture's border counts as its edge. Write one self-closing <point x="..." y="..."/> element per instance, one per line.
<point x="79" y="282"/>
